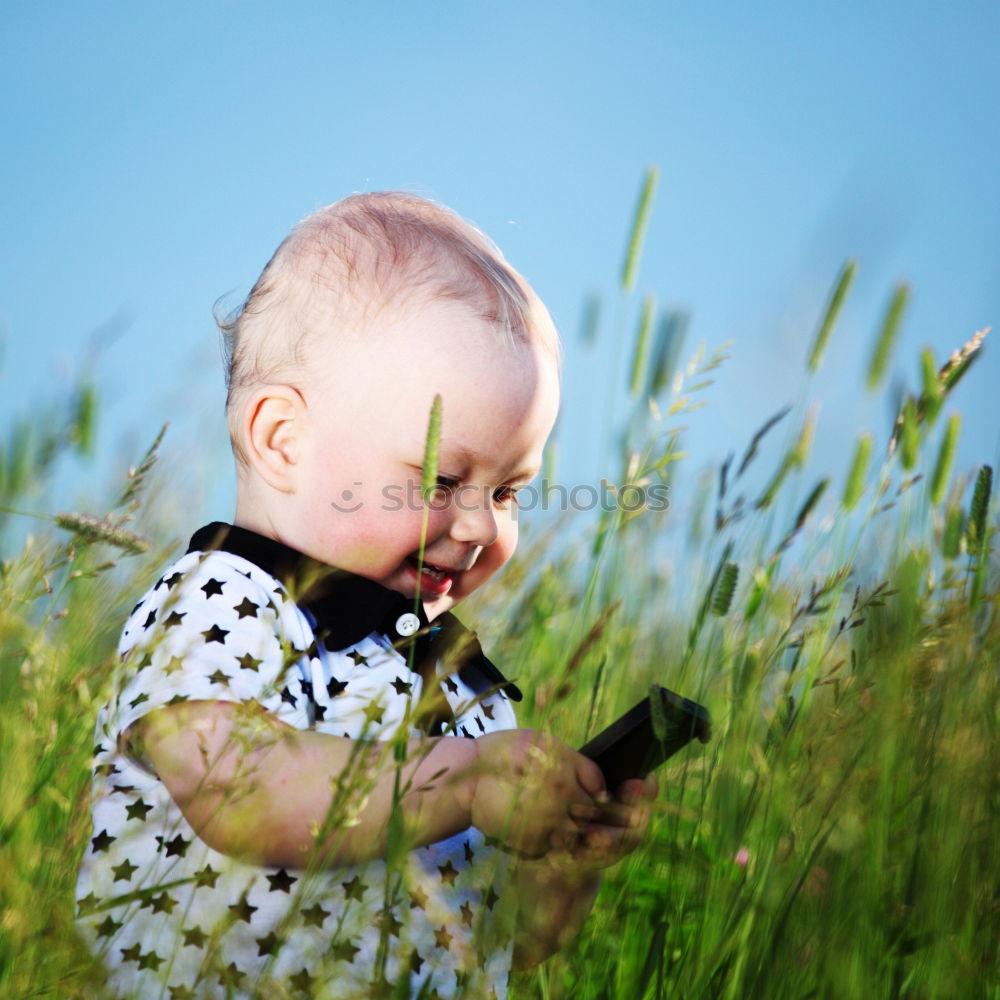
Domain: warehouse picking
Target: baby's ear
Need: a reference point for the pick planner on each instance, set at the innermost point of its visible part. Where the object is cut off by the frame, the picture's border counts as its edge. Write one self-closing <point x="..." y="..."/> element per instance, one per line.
<point x="273" y="424"/>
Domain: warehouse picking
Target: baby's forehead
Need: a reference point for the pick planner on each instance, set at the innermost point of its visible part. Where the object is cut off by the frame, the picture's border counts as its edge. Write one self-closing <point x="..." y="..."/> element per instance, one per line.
<point x="410" y="335"/>
<point x="376" y="388"/>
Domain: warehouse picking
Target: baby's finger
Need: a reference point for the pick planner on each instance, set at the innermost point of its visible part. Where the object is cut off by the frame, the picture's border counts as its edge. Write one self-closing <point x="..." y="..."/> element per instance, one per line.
<point x="636" y="789"/>
<point x="586" y="812"/>
<point x="610" y="843"/>
<point x="619" y="814"/>
<point x="590" y="777"/>
<point x="601" y="839"/>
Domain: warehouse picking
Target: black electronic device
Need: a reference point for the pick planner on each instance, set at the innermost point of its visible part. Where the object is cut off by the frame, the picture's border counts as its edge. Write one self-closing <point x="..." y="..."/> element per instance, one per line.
<point x="635" y="744"/>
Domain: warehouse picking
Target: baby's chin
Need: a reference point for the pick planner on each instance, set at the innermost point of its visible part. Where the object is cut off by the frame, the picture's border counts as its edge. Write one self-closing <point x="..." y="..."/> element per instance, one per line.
<point x="438" y="606"/>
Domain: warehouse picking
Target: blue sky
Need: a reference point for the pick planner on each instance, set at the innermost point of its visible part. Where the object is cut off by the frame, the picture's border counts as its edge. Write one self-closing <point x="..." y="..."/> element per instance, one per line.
<point x="156" y="153"/>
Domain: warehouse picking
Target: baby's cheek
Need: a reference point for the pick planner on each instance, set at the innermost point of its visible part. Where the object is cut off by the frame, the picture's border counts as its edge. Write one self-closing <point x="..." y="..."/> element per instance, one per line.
<point x="367" y="557"/>
<point x="360" y="544"/>
<point x="509" y="534"/>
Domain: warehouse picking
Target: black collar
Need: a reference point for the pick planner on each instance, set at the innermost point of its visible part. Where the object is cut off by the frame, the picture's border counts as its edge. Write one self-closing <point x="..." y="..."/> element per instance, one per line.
<point x="348" y="607"/>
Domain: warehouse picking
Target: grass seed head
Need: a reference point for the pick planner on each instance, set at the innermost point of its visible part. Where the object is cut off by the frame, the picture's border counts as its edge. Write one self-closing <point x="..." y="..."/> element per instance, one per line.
<point x="95" y="529"/>
<point x="979" y="508"/>
<point x="945" y="456"/>
<point x="640" y="223"/>
<point x="843" y="285"/>
<point x="887" y="335"/>
<point x="855" y="485"/>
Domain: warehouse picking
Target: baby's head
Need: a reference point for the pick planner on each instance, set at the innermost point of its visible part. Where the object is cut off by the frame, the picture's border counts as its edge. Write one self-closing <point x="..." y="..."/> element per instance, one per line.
<point x="366" y="311"/>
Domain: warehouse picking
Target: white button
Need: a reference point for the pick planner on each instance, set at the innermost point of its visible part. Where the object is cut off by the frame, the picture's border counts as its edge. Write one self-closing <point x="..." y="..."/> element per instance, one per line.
<point x="407" y="624"/>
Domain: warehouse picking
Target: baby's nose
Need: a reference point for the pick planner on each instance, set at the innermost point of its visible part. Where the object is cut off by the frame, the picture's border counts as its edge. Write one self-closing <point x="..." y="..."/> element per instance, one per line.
<point x="474" y="521"/>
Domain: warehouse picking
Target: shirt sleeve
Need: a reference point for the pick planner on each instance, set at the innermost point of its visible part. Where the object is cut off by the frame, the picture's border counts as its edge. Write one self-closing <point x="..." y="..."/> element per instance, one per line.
<point x="208" y="632"/>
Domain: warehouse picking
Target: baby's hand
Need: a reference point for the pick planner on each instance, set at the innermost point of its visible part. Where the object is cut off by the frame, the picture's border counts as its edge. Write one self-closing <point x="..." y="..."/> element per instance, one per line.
<point x="529" y="786"/>
<point x="611" y="830"/>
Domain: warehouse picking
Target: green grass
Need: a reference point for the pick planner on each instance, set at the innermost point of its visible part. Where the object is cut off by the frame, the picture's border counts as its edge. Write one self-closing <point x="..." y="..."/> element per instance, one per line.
<point x="838" y="838"/>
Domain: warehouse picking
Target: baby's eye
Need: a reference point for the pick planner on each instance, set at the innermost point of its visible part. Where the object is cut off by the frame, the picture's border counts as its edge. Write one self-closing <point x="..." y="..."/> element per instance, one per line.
<point x="444" y="487"/>
<point x="504" y="496"/>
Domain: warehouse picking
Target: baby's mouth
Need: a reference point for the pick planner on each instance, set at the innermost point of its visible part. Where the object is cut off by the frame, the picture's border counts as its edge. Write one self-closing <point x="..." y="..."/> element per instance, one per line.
<point x="433" y="579"/>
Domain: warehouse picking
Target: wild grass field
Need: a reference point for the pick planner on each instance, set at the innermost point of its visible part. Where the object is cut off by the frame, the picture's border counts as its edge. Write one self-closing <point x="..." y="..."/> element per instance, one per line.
<point x="837" y="838"/>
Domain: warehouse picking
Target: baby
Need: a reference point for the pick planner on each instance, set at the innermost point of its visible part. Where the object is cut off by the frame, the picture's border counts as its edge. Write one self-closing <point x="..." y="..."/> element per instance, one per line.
<point x="310" y="780"/>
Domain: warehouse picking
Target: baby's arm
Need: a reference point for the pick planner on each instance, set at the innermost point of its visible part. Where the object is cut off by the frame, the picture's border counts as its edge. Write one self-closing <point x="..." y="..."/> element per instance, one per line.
<point x="264" y="792"/>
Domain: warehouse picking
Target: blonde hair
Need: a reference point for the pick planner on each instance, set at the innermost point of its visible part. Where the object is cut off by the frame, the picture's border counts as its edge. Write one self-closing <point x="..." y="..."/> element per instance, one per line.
<point x="342" y="265"/>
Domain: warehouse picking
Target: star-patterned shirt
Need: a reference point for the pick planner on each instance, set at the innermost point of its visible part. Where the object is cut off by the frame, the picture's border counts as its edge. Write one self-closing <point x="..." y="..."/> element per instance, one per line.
<point x="173" y="918"/>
